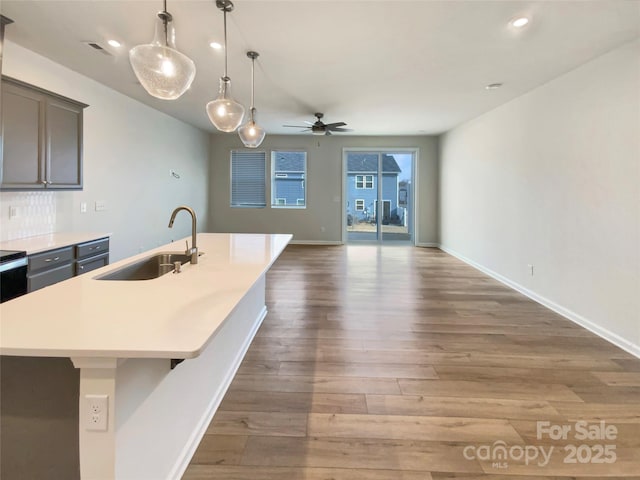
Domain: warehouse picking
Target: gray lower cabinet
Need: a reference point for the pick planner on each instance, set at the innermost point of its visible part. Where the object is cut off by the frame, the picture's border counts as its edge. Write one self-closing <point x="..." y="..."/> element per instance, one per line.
<point x="92" y="255"/>
<point x="49" y="267"/>
<point x="50" y="276"/>
<point x="53" y="266"/>
<point x="42" y="139"/>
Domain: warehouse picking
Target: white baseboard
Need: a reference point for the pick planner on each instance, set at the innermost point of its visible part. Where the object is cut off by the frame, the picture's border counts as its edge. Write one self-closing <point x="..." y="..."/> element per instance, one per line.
<point x="593" y="327"/>
<point x="191" y="446"/>
<point x="315" y="242"/>
<point x="428" y="244"/>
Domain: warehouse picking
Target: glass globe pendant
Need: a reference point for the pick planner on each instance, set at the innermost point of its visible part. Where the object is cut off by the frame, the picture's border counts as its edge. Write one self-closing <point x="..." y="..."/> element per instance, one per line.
<point x="162" y="70"/>
<point x="225" y="113"/>
<point x="251" y="134"/>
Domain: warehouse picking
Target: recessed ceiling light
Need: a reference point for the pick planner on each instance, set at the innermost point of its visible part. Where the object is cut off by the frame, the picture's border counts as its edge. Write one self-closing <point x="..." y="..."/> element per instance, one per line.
<point x="520" y="22"/>
<point x="215" y="45"/>
<point x="493" y="86"/>
<point x="114" y="43"/>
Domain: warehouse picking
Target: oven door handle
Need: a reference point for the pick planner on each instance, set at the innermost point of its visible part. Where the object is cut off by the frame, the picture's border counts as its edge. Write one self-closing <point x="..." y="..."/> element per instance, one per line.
<point x="19" y="262"/>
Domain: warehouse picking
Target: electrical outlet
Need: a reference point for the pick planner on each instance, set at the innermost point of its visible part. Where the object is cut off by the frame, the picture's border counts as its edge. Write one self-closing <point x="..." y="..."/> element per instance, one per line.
<point x="97" y="412"/>
<point x="13" y="212"/>
<point x="530" y="269"/>
<point x="83" y="207"/>
<point x="100" y="205"/>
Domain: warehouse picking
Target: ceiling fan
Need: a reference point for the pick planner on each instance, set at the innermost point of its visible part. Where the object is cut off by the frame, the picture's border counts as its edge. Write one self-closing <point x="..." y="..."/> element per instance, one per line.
<point x="321" y="128"/>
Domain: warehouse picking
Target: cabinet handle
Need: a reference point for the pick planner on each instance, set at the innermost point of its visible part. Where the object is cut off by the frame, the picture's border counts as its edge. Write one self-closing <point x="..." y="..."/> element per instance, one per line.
<point x="94" y="248"/>
<point x="81" y="267"/>
<point x="52" y="259"/>
<point x="44" y="182"/>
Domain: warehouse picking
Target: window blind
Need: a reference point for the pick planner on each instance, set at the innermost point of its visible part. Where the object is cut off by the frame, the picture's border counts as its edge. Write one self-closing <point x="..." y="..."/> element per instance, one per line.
<point x="248" y="179"/>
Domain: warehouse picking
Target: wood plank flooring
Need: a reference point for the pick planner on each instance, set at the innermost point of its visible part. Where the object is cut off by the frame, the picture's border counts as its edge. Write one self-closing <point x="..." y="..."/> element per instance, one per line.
<point x="389" y="363"/>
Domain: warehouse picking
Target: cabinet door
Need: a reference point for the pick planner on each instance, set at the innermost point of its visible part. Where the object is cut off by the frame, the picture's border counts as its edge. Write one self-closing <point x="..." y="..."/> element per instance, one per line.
<point x="49" y="277"/>
<point x="23" y="112"/>
<point x="92" y="263"/>
<point x="64" y="144"/>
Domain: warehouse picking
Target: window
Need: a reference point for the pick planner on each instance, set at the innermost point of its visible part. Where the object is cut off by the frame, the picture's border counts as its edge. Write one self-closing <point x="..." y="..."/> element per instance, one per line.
<point x="288" y="179"/>
<point x="364" y="182"/>
<point x="248" y="179"/>
<point x="359" y="205"/>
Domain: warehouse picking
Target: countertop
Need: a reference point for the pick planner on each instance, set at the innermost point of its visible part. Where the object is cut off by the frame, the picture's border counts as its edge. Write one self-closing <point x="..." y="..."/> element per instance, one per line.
<point x="173" y="316"/>
<point x="51" y="241"/>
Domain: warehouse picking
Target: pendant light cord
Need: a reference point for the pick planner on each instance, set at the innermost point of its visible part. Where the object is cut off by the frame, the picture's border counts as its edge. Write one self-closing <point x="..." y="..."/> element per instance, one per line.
<point x="165" y="21"/>
<point x="253" y="61"/>
<point x="225" y="43"/>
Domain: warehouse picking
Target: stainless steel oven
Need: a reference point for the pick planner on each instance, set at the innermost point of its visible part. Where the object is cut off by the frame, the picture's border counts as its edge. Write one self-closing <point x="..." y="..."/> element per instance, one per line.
<point x="13" y="274"/>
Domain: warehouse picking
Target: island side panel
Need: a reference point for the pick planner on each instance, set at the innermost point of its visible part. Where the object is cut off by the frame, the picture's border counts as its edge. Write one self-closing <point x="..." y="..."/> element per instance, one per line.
<point x="162" y="414"/>
<point x="39" y="418"/>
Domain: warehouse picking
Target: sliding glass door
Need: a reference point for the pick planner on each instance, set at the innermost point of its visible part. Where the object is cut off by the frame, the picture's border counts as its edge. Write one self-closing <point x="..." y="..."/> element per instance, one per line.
<point x="378" y="195"/>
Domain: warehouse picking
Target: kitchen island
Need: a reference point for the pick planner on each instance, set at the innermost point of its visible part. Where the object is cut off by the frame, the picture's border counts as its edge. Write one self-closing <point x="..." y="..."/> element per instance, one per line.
<point x="125" y="337"/>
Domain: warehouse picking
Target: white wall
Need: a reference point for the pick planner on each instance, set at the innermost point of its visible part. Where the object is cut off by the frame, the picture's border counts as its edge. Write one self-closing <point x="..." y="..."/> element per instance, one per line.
<point x="553" y="179"/>
<point x="129" y="149"/>
<point x="324" y="187"/>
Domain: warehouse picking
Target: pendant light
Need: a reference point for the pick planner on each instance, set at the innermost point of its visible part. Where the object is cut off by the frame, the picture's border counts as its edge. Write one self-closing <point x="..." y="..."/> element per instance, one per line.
<point x="162" y="70"/>
<point x="251" y="134"/>
<point x="224" y="112"/>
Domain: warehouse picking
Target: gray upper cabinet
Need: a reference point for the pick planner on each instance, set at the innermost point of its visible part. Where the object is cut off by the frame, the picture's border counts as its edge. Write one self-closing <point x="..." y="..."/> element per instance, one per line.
<point x="42" y="139"/>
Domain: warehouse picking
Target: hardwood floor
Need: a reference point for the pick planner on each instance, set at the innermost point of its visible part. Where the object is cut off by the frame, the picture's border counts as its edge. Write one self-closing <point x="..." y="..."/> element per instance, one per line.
<point x="402" y="363"/>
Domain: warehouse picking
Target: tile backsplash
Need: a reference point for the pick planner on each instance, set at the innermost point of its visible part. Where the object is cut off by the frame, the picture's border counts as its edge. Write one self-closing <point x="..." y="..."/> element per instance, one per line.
<point x="25" y="214"/>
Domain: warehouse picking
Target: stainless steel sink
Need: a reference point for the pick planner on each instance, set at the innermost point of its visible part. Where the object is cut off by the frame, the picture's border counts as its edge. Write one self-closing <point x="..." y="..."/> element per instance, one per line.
<point x="147" y="268"/>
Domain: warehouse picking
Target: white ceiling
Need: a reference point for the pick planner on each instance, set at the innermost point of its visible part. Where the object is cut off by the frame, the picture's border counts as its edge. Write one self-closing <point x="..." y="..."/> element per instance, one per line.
<point x="385" y="67"/>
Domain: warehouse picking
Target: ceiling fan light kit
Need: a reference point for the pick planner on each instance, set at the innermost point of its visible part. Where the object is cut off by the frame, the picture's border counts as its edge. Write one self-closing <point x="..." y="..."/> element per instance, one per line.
<point x="251" y="134"/>
<point x="225" y="113"/>
<point x="161" y="69"/>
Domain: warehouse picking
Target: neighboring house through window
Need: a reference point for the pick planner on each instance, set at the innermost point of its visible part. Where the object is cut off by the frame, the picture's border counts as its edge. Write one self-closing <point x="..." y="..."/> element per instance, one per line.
<point x="364" y="182"/>
<point x="288" y="178"/>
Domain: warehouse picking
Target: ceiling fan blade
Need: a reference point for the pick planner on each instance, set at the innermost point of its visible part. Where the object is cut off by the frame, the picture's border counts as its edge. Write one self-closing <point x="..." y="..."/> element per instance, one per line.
<point x="342" y="130"/>
<point x="295" y="126"/>
<point x="308" y="123"/>
<point x="334" y="125"/>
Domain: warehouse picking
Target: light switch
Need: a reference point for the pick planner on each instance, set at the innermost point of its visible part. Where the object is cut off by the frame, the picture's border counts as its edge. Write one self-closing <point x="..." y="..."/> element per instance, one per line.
<point x="83" y="207"/>
<point x="101" y="205"/>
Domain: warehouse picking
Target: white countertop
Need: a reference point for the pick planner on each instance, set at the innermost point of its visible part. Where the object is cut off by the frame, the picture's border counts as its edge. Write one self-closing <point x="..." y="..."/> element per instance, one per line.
<point x="51" y="241"/>
<point x="173" y="316"/>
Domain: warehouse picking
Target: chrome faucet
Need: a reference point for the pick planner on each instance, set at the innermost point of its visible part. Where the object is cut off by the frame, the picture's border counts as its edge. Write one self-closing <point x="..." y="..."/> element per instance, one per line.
<point x="193" y="251"/>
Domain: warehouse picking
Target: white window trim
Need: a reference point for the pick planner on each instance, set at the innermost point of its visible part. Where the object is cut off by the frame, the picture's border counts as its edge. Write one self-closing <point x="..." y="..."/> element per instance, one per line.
<point x="280" y="202"/>
<point x="300" y="204"/>
<point x="356" y="204"/>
